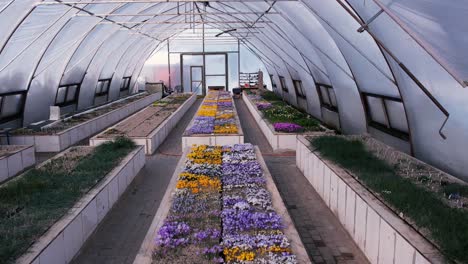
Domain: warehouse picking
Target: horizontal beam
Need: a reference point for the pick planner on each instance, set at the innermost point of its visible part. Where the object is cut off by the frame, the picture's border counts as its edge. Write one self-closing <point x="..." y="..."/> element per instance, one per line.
<point x="178" y="14"/>
<point x="152" y="1"/>
<point x="183" y="22"/>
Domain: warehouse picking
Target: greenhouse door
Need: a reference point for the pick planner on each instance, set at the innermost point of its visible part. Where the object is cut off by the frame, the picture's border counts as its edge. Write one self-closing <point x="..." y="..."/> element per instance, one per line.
<point x="204" y="70"/>
<point x="196" y="79"/>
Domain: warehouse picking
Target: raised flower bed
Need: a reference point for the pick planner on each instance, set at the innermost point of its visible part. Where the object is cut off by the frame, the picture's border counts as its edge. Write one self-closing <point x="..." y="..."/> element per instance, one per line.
<point x="280" y="122"/>
<point x="47" y="213"/>
<point x="395" y="207"/>
<point x="150" y="126"/>
<point x="14" y="159"/>
<point x="216" y="122"/>
<point x="64" y="133"/>
<point x="225" y="209"/>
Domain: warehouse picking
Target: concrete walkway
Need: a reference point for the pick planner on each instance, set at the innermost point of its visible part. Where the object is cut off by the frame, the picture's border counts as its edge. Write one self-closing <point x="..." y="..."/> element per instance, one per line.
<point x="325" y="239"/>
<point x="119" y="236"/>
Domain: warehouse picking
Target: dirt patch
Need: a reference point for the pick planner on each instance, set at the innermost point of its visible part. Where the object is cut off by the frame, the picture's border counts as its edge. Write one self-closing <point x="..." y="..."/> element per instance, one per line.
<point x="69" y="160"/>
<point x="146" y="121"/>
<point x="6" y="150"/>
<point x="78" y="119"/>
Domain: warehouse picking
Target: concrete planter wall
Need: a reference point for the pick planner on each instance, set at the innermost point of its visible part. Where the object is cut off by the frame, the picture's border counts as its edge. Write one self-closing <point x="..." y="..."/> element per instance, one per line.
<point x="155" y="138"/>
<point x="381" y="234"/>
<point x="214" y="139"/>
<point x="66" y="237"/>
<point x="277" y="140"/>
<point x="16" y="162"/>
<point x="64" y="139"/>
<point x="144" y="255"/>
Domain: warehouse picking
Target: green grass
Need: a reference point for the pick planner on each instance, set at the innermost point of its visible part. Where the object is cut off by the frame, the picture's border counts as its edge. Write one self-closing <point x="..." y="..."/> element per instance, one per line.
<point x="455" y="188"/>
<point x="448" y="226"/>
<point x="270" y="96"/>
<point x="32" y="203"/>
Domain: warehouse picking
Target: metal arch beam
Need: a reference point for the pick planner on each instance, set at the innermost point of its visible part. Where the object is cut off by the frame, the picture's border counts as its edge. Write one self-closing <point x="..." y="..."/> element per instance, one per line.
<point x="273" y="51"/>
<point x="95" y="50"/>
<point x="109" y="37"/>
<point x="312" y="10"/>
<point x="422" y="43"/>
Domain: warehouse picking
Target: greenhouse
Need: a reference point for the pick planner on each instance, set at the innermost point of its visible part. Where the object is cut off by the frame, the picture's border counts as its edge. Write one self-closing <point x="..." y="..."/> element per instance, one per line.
<point x="233" y="131"/>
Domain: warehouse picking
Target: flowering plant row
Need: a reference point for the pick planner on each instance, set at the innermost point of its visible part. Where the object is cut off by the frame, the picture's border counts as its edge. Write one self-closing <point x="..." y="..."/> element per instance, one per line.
<point x="222" y="212"/>
<point x="282" y="116"/>
<point x="215" y="116"/>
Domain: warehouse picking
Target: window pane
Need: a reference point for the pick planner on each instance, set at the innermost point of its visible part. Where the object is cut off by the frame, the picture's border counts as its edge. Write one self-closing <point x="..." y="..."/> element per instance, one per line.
<point x="72" y="93"/>
<point x="61" y="95"/>
<point x="105" y="86"/>
<point x="324" y="93"/>
<point x="396" y="115"/>
<point x="376" y="110"/>
<point x="99" y="87"/>
<point x="273" y="83"/>
<point x="12" y="105"/>
<point x="333" y="97"/>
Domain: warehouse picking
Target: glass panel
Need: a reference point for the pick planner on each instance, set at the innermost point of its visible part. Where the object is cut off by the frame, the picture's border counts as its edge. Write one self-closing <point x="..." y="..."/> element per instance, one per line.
<point x="333" y="97"/>
<point x="105" y="86"/>
<point x="283" y="83"/>
<point x="197" y="87"/>
<point x="215" y="64"/>
<point x="99" y="87"/>
<point x="376" y="110"/>
<point x="71" y="93"/>
<point x="215" y="81"/>
<point x="324" y="93"/>
<point x="61" y="95"/>
<point x="197" y="74"/>
<point x="12" y="105"/>
<point x="396" y="115"/>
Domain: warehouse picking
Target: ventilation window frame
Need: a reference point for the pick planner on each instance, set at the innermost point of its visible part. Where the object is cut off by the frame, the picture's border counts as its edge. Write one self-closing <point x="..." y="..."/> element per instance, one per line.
<point x="101" y="93"/>
<point x="329" y="106"/>
<point x="300" y="91"/>
<point x="68" y="102"/>
<point x="284" y="87"/>
<point x="125" y="85"/>
<point x="17" y="115"/>
<point x="274" y="86"/>
<point x="386" y="128"/>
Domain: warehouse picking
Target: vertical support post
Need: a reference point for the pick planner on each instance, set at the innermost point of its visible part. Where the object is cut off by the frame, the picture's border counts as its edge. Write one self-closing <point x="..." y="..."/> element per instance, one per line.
<point x="169" y="63"/>
<point x="238" y="63"/>
<point x="204" y="59"/>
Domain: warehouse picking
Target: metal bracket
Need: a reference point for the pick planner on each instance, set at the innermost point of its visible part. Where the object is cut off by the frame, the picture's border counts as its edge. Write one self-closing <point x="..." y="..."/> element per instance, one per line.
<point x="365" y="26"/>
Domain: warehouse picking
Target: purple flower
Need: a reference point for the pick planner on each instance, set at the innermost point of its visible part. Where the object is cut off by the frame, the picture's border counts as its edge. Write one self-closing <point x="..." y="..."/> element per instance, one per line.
<point x="263" y="105"/>
<point x="287" y="127"/>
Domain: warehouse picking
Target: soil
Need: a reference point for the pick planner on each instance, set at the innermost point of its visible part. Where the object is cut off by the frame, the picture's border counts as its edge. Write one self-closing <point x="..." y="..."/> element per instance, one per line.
<point x="75" y="120"/>
<point x="6" y="150"/>
<point x="146" y="121"/>
<point x="68" y="161"/>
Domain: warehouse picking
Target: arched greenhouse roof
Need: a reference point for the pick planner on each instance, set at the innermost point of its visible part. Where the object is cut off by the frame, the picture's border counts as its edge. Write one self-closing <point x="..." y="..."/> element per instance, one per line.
<point x="394" y="69"/>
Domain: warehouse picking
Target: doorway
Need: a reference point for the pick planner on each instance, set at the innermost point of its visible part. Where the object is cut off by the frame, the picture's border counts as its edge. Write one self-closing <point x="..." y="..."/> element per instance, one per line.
<point x="211" y="72"/>
<point x="196" y="78"/>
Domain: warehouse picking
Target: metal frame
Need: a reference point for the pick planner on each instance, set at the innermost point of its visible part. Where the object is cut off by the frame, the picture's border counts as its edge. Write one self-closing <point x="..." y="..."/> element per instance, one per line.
<point x="284" y="87"/>
<point x="331" y="107"/>
<point x="386" y="128"/>
<point x="19" y="115"/>
<point x="75" y="99"/>
<point x="302" y="93"/>
<point x="204" y="54"/>
<point x="202" y="81"/>
<point x="108" y="81"/>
